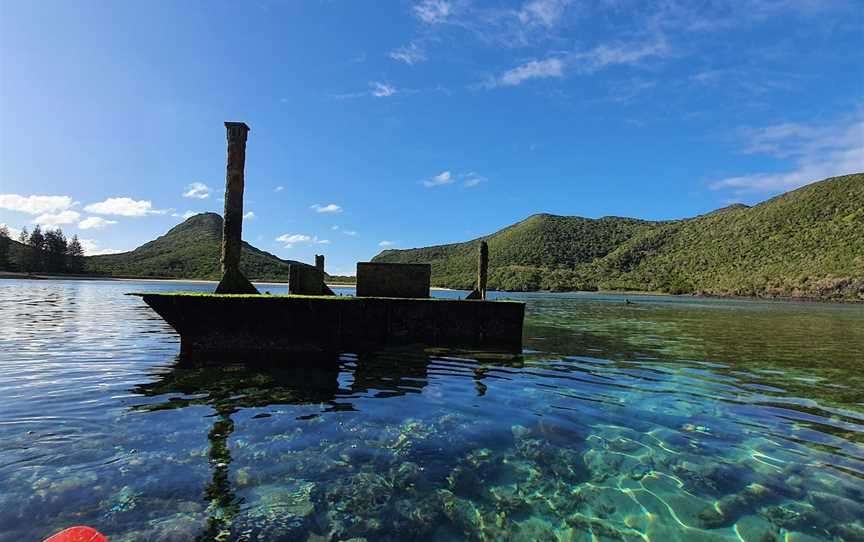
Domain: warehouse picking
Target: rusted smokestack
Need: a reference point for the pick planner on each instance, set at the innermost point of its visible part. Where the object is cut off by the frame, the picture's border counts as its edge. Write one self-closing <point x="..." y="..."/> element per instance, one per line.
<point x="319" y="262"/>
<point x="233" y="281"/>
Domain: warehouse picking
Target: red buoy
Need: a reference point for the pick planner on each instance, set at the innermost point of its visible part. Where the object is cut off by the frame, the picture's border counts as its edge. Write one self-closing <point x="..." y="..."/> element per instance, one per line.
<point x="78" y="534"/>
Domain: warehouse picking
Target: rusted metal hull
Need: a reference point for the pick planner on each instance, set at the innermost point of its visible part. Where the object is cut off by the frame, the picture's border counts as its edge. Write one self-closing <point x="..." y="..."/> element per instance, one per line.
<point x="214" y="324"/>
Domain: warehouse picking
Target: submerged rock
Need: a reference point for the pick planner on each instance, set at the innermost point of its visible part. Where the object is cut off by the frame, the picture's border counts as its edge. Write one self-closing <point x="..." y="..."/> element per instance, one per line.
<point x="728" y="509"/>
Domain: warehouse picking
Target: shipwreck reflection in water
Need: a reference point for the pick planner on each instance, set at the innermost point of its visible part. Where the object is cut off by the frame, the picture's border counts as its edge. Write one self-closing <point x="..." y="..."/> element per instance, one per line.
<point x="330" y="381"/>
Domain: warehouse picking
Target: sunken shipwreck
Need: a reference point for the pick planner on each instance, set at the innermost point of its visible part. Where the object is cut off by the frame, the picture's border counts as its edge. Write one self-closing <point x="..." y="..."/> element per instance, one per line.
<point x="392" y="306"/>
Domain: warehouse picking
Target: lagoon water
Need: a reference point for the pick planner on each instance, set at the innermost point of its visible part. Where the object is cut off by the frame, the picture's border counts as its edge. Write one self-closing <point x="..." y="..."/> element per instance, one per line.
<point x="667" y="419"/>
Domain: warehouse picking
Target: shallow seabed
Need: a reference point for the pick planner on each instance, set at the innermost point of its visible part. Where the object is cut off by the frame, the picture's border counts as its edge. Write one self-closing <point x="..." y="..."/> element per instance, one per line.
<point x="667" y="419"/>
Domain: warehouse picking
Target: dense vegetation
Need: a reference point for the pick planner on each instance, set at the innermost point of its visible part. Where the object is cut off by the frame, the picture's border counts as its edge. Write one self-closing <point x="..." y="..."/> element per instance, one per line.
<point x="808" y="243"/>
<point x="38" y="251"/>
<point x="191" y="251"/>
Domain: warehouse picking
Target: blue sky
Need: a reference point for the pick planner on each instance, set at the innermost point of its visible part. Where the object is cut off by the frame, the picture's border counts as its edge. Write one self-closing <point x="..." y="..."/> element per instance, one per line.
<point x="412" y="123"/>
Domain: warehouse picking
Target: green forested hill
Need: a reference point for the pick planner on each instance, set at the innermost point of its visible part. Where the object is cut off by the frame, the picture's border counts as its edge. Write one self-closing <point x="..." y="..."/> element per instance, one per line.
<point x="189" y="250"/>
<point x="805" y="243"/>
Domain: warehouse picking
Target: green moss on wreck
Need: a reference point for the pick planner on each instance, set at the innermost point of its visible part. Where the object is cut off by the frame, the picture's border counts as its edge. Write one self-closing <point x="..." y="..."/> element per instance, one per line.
<point x="295" y="296"/>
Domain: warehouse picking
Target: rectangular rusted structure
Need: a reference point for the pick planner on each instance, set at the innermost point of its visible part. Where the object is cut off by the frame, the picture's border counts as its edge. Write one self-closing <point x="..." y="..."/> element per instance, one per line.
<point x="258" y="324"/>
<point x="407" y="280"/>
<point x="306" y="280"/>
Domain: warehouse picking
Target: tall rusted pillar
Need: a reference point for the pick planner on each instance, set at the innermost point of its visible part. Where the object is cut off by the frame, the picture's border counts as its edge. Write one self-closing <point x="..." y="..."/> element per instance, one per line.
<point x="319" y="262"/>
<point x="482" y="268"/>
<point x="233" y="281"/>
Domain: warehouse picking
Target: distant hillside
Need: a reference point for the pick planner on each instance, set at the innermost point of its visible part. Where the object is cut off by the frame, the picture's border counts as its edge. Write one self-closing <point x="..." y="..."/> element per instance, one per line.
<point x="189" y="250"/>
<point x="541" y="241"/>
<point x="808" y="243"/>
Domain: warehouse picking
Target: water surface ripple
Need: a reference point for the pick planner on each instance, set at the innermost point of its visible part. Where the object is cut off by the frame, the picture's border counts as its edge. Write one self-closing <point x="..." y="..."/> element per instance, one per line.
<point x="664" y="419"/>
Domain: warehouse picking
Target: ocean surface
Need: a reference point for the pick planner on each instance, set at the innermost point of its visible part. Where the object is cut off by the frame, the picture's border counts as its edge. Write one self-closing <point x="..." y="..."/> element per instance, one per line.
<point x="662" y="420"/>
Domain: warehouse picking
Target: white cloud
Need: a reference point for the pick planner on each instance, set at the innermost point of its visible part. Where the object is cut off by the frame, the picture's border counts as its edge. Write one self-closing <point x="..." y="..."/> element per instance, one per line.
<point x="816" y="151"/>
<point x="35" y="205"/>
<point x="95" y="223"/>
<point x="473" y="179"/>
<point x="409" y="54"/>
<point x="445" y="177"/>
<point x="534" y="69"/>
<point x="122" y="207"/>
<point x="57" y="219"/>
<point x="329" y="208"/>
<point x="279" y="188"/>
<point x="543" y="12"/>
<point x="291" y="239"/>
<point x="386" y="243"/>
<point x="13" y="232"/>
<point x="350" y="233"/>
<point x="433" y="11"/>
<point x="91" y="248"/>
<point x="382" y="90"/>
<point x="249" y="216"/>
<point x="197" y="191"/>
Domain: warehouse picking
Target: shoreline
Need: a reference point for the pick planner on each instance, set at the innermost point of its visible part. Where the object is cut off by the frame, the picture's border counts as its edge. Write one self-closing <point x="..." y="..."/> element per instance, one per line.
<point x="48" y="276"/>
<point x="30" y="276"/>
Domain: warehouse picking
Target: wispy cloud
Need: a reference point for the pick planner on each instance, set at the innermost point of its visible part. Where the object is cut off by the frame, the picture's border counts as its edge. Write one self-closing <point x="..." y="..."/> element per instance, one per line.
<point x="123" y="207"/>
<point x="534" y="69"/>
<point x="185" y="216"/>
<point x="382" y="90"/>
<point x="586" y="62"/>
<point x="409" y="54"/>
<point x="445" y="177"/>
<point x="288" y="240"/>
<point x="35" y="205"/>
<point x="816" y="151"/>
<point x="279" y="188"/>
<point x="197" y="191"/>
<point x="249" y="215"/>
<point x="468" y="180"/>
<point x="473" y="179"/>
<point x="350" y="233"/>
<point x="607" y="55"/>
<point x="543" y="12"/>
<point x="433" y="11"/>
<point x="95" y="223"/>
<point x="329" y="208"/>
<point x="386" y="243"/>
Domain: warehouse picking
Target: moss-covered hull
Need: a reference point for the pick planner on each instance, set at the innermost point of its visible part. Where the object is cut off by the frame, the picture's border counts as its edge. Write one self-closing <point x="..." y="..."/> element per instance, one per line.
<point x="217" y="324"/>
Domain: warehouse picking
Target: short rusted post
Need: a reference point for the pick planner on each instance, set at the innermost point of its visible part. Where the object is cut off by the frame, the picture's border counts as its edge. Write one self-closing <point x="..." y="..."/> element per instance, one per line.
<point x="319" y="262"/>
<point x="482" y="268"/>
<point x="479" y="292"/>
<point x="233" y="281"/>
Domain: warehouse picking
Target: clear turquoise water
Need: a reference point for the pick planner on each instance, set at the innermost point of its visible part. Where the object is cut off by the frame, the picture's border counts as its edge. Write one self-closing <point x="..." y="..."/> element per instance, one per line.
<point x="668" y="419"/>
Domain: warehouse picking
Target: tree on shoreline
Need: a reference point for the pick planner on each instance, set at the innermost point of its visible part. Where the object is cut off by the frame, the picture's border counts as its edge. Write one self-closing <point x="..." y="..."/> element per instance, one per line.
<point x="41" y="252"/>
<point x="4" y="247"/>
<point x="75" y="255"/>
